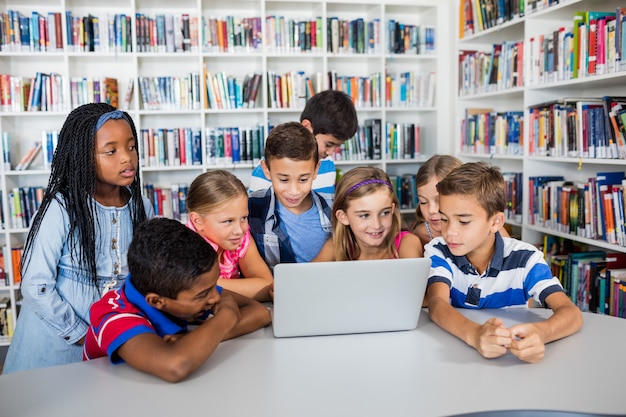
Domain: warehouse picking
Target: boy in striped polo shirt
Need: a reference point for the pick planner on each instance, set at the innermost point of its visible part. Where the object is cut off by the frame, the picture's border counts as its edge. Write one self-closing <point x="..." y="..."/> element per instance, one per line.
<point x="473" y="266"/>
<point x="172" y="284"/>
<point x="331" y="117"/>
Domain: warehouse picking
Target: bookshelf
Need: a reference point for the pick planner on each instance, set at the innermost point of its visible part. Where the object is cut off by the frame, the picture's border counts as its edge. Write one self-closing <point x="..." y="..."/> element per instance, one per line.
<point x="538" y="85"/>
<point x="131" y="50"/>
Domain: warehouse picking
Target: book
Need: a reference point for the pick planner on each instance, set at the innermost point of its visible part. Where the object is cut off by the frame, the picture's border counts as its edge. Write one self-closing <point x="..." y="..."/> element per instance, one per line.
<point x="28" y="157"/>
<point x="581" y="40"/>
<point x="128" y="97"/>
<point x="253" y="90"/>
<point x="606" y="219"/>
<point x="110" y="91"/>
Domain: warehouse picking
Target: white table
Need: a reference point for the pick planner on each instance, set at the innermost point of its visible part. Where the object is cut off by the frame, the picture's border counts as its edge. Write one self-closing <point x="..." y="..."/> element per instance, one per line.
<point x="419" y="373"/>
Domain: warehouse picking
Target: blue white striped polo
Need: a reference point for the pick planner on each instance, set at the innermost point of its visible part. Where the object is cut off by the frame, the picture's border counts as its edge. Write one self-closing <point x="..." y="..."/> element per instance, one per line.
<point x="517" y="272"/>
<point x="324" y="183"/>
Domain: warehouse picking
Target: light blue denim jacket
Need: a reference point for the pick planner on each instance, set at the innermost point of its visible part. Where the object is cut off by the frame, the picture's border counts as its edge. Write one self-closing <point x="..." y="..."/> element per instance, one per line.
<point x="57" y="293"/>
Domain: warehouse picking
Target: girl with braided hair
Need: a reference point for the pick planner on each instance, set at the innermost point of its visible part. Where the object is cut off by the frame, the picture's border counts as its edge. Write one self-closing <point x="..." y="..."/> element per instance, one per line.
<point x="76" y="248"/>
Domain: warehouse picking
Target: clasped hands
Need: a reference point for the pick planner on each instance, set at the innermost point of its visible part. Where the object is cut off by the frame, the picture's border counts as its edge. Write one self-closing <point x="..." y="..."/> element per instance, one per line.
<point x="493" y="339"/>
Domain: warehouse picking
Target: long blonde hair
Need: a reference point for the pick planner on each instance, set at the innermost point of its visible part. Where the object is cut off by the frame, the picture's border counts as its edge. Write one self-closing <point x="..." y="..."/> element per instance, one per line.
<point x="356" y="183"/>
<point x="212" y="188"/>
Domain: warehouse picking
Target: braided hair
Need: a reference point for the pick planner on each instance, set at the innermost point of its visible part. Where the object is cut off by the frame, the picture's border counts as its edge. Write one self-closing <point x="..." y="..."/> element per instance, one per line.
<point x="73" y="184"/>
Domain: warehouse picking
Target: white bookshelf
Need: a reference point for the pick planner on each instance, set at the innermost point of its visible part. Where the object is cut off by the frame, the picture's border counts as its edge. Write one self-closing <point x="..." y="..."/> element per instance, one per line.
<point x="520" y="98"/>
<point x="25" y="128"/>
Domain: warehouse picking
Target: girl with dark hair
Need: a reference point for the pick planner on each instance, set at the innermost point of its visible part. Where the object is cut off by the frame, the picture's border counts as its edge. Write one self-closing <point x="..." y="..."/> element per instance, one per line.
<point x="78" y="241"/>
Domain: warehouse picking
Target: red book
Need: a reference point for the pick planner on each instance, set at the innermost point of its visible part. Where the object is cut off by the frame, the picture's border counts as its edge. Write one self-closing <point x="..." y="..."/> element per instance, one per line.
<point x="254" y="89"/>
<point x="181" y="146"/>
<point x="159" y="201"/>
<point x="58" y="28"/>
<point x="592" y="47"/>
<point x="228" y="146"/>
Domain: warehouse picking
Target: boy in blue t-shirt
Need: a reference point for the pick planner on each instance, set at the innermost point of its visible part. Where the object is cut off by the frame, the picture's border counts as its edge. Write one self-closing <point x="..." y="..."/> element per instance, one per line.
<point x="473" y="266"/>
<point x="289" y="222"/>
<point x="332" y="118"/>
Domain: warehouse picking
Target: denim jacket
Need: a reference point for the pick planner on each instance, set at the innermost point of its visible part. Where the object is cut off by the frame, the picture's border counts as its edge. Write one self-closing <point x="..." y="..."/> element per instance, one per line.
<point x="57" y="292"/>
<point x="273" y="243"/>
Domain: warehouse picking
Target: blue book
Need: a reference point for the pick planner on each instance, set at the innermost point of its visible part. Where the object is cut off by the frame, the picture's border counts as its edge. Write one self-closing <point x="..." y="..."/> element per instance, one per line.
<point x="196" y="146"/>
<point x="236" y="145"/>
<point x="24" y="32"/>
<point x="34" y="30"/>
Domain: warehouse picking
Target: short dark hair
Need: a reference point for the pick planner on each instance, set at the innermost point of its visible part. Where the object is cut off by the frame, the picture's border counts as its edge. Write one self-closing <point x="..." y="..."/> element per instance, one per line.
<point x="480" y="181"/>
<point x="331" y="112"/>
<point x="166" y="257"/>
<point x="291" y="140"/>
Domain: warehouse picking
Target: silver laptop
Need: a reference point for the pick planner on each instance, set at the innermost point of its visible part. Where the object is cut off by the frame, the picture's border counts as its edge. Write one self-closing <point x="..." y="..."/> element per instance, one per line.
<point x="325" y="298"/>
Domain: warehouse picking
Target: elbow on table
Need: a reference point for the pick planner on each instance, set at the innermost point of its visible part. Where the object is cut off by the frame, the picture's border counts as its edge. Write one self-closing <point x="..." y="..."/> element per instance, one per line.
<point x="177" y="370"/>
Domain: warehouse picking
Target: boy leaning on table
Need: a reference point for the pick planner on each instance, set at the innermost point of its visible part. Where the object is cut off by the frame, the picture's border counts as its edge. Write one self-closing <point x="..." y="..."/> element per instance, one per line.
<point x="172" y="283"/>
<point x="473" y="266"/>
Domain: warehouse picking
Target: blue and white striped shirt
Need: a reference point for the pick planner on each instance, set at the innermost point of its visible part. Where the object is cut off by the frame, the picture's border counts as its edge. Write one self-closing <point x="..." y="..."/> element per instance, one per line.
<point x="517" y="272"/>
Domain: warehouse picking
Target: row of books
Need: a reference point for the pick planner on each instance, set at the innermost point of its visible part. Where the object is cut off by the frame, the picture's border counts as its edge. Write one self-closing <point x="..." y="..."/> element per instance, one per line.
<point x="476" y="16"/>
<point x="167" y="33"/>
<point x="170" y="202"/>
<point x="593" y="45"/>
<point x="485" y="131"/>
<point x="593" y="127"/>
<point x="232" y="34"/>
<point x="594" y="280"/>
<point x="288" y="35"/>
<point x="366" y="144"/>
<point x="44" y="92"/>
<point x="234" y="145"/>
<point x="500" y="69"/>
<point x="410" y="89"/>
<point x="85" y="90"/>
<point x="30" y="33"/>
<point x="593" y="209"/>
<point x="170" y="93"/>
<point x="171" y="147"/>
<point x="179" y="33"/>
<point x="99" y="33"/>
<point x="402" y="140"/>
<point x="479" y="15"/>
<point x="355" y="36"/>
<point x="404" y="89"/>
<point x="231" y="92"/>
<point x="404" y="38"/>
<point x="23" y="203"/>
<point x="405" y="189"/>
<point x="292" y="89"/>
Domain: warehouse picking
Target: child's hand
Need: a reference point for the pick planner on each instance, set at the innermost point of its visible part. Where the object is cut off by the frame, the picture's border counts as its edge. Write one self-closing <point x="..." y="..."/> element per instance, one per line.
<point x="493" y="339"/>
<point x="227" y="306"/>
<point x="271" y="291"/>
<point x="527" y="344"/>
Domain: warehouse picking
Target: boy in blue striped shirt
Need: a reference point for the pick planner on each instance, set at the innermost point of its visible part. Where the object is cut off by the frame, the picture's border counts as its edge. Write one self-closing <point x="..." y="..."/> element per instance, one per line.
<point x="331" y="117"/>
<point x="473" y="266"/>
